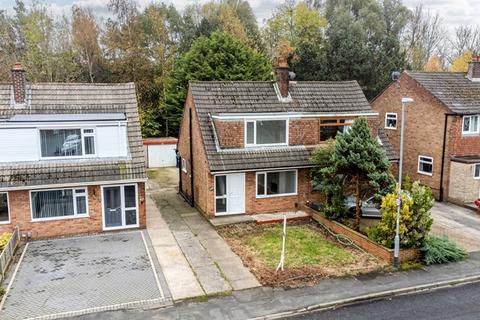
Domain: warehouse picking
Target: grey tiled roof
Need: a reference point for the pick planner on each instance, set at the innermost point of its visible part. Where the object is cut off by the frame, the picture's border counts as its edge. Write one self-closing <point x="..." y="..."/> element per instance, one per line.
<point x="70" y="98"/>
<point x="216" y="97"/>
<point x="458" y="93"/>
<point x="387" y="146"/>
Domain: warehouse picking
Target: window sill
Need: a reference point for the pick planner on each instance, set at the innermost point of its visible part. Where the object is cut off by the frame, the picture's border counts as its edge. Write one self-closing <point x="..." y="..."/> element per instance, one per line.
<point x="82" y="216"/>
<point x="470" y="134"/>
<point x="425" y="173"/>
<point x="5" y="222"/>
<point x="266" y="145"/>
<point x="276" y="195"/>
<point x="390" y="128"/>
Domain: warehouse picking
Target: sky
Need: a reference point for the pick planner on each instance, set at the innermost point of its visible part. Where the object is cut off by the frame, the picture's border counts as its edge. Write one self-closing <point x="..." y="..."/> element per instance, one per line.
<point x="453" y="12"/>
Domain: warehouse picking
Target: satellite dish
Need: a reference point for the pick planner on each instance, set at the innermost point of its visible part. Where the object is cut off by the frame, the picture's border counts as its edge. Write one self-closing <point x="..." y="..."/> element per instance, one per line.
<point x="291" y="75"/>
<point x="396" y="75"/>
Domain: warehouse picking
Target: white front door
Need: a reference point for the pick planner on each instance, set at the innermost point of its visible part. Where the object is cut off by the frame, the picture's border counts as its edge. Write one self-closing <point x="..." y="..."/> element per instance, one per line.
<point x="230" y="194"/>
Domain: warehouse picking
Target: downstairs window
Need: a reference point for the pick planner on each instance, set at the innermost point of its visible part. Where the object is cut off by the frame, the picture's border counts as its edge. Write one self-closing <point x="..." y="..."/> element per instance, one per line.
<point x="61" y="203"/>
<point x="4" y="210"/>
<point x="277" y="183"/>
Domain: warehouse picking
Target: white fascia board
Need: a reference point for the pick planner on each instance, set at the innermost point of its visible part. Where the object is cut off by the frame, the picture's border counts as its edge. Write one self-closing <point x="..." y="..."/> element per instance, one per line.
<point x="284" y="115"/>
<point x="74" y="184"/>
<point x="78" y="124"/>
<point x="262" y="170"/>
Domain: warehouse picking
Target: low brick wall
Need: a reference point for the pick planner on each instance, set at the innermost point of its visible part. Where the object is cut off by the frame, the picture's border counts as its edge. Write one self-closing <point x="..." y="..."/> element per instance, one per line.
<point x="362" y="241"/>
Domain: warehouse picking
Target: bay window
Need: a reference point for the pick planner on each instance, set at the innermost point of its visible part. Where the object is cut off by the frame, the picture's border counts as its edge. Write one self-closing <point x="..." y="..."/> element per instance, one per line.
<point x="266" y="132"/>
<point x="470" y="125"/>
<point x="276" y="183"/>
<point x="60" y="203"/>
<point x="67" y="142"/>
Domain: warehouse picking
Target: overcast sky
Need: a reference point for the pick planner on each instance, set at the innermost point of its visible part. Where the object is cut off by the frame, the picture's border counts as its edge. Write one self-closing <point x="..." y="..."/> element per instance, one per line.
<point x="453" y="12"/>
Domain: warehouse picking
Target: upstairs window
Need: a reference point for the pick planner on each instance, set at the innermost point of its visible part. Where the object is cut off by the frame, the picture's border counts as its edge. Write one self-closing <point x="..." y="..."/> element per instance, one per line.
<point x="331" y="127"/>
<point x="470" y="125"/>
<point x="266" y="132"/>
<point x="425" y="165"/>
<point x="67" y="142"/>
<point x="390" y="120"/>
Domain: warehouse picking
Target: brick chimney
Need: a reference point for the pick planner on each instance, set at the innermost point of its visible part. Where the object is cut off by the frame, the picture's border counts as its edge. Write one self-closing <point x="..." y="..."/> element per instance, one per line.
<point x="18" y="82"/>
<point x="474" y="68"/>
<point x="282" y="77"/>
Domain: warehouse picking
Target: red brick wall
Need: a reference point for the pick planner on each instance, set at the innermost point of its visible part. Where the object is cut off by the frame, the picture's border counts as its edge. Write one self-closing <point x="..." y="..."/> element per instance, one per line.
<point x="20" y="215"/>
<point x="202" y="179"/>
<point x="423" y="128"/>
<point x="462" y="145"/>
<point x="230" y="133"/>
<point x="304" y="131"/>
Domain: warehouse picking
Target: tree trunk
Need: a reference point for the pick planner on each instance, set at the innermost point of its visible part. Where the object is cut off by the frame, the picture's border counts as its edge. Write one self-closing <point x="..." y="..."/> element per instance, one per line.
<point x="358" y="210"/>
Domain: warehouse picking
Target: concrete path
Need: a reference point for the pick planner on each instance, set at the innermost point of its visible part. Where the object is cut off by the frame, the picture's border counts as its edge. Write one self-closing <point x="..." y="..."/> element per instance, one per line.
<point x="193" y="242"/>
<point x="262" y="303"/>
<point x="460" y="224"/>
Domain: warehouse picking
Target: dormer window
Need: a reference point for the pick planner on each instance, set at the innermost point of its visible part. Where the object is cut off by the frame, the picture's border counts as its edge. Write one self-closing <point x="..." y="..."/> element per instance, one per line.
<point x="266" y="132"/>
<point x="57" y="143"/>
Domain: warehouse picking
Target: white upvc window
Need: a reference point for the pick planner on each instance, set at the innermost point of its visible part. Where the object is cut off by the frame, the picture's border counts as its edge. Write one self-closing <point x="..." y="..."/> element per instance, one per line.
<point x="276" y="183"/>
<point x="470" y="125"/>
<point x="266" y="132"/>
<point x="425" y="165"/>
<point x="476" y="171"/>
<point x="67" y="143"/>
<point x="184" y="165"/>
<point x="55" y="204"/>
<point x="4" y="208"/>
<point x="390" y="120"/>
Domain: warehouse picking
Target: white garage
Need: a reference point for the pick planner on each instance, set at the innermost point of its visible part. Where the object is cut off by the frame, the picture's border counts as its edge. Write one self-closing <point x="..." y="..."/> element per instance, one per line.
<point x="160" y="152"/>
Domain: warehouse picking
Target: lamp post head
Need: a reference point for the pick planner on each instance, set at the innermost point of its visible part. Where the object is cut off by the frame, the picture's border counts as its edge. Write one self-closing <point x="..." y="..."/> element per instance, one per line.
<point x="407" y="100"/>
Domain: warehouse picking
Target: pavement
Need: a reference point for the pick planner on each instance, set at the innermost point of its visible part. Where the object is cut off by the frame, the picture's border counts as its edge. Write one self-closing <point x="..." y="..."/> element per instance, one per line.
<point x="270" y="303"/>
<point x="79" y="275"/>
<point x="460" y="302"/>
<point x="195" y="259"/>
<point x="460" y="224"/>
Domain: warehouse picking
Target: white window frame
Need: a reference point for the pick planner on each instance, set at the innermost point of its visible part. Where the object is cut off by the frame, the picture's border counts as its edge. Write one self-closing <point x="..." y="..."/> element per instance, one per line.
<point x="254" y="144"/>
<point x="82" y="134"/>
<point x="225" y="196"/>
<point x="124" y="209"/>
<point x="391" y="114"/>
<point x="8" y="208"/>
<point x="265" y="195"/>
<point x="184" y="165"/>
<point x="471" y="132"/>
<point x="74" y="196"/>
<point x="420" y="161"/>
<point x="474" y="169"/>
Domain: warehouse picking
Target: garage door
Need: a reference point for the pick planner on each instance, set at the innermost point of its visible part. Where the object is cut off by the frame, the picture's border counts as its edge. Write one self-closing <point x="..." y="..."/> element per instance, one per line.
<point x="161" y="155"/>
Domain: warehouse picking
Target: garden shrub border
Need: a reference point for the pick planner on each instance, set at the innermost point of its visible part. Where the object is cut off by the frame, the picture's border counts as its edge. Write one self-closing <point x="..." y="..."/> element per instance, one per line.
<point x="362" y="241"/>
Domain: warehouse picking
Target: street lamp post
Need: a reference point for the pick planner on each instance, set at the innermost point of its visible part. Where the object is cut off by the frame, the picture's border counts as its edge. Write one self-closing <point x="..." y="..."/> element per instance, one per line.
<point x="396" y="250"/>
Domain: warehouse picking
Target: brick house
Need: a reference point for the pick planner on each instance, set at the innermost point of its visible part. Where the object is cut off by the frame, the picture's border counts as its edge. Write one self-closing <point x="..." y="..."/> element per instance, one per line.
<point x="442" y="133"/>
<point x="244" y="146"/>
<point x="71" y="159"/>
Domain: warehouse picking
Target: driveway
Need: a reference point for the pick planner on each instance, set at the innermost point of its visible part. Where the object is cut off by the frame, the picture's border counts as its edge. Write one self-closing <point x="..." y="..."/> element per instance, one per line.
<point x="74" y="276"/>
<point x="460" y="224"/>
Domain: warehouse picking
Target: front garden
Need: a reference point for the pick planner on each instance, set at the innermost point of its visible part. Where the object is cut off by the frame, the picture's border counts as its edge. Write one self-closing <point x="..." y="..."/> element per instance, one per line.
<point x="312" y="253"/>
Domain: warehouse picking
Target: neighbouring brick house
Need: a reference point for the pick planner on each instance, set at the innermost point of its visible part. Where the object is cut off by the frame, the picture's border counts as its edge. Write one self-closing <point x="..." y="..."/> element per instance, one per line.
<point x="442" y="130"/>
<point x="71" y="158"/>
<point x="244" y="146"/>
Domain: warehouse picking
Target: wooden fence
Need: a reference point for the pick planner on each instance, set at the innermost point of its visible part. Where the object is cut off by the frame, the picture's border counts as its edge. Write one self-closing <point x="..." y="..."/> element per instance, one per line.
<point x="7" y="254"/>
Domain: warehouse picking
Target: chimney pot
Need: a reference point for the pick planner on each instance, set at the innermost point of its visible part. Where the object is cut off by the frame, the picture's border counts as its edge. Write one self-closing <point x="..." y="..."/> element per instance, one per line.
<point x="474" y="68"/>
<point x="18" y="82"/>
<point x="282" y="77"/>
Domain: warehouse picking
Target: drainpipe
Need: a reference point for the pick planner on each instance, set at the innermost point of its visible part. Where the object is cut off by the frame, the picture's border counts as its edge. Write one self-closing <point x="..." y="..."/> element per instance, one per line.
<point x="442" y="169"/>
<point x="192" y="201"/>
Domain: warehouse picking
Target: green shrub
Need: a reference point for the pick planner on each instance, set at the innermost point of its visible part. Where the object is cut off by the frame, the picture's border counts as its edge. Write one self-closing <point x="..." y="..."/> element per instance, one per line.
<point x="415" y="219"/>
<point x="441" y="250"/>
<point x="4" y="237"/>
<point x="2" y="291"/>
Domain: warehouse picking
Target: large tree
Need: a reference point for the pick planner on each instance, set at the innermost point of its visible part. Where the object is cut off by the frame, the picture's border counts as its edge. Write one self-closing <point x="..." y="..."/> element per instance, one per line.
<point x="218" y="57"/>
<point x="356" y="165"/>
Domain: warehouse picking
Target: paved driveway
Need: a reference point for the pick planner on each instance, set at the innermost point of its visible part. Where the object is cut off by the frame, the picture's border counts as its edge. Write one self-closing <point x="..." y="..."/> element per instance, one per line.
<point x="459" y="224"/>
<point x="74" y="276"/>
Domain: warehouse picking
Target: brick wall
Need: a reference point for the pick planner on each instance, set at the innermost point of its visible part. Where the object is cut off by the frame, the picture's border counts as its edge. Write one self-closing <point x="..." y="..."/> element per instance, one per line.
<point x="463" y="187"/>
<point x="20" y="215"/>
<point x="423" y="128"/>
<point x="203" y="181"/>
<point x="362" y="240"/>
<point x="462" y="145"/>
<point x="304" y="131"/>
<point x="230" y="133"/>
